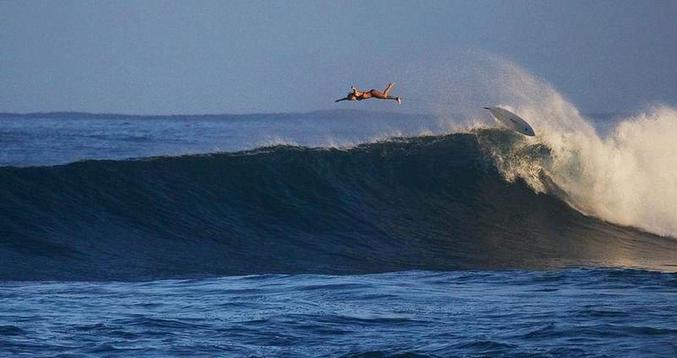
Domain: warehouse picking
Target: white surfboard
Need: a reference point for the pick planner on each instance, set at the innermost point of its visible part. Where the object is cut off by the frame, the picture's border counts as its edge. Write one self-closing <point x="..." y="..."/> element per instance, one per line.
<point x="511" y="120"/>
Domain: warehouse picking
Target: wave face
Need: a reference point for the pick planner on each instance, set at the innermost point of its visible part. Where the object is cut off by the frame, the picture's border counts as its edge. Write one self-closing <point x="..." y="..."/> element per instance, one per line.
<point x="433" y="203"/>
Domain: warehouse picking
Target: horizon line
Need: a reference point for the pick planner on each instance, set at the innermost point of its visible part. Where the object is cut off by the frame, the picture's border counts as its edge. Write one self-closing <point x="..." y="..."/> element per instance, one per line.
<point x="348" y="110"/>
<point x="86" y="113"/>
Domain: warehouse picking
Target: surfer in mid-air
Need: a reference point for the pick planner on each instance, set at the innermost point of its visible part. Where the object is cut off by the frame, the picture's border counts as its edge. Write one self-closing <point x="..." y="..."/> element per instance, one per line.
<point x="357" y="95"/>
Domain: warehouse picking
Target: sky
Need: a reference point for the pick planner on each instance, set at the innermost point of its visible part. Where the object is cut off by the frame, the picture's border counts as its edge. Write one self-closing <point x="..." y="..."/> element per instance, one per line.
<point x="172" y="57"/>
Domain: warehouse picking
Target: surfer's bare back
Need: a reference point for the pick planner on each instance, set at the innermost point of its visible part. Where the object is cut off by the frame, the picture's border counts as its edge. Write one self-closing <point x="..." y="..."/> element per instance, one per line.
<point x="357" y="95"/>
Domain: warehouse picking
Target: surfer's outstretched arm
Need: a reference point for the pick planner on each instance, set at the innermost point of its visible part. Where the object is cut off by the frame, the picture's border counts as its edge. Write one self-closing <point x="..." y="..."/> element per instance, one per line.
<point x="341" y="99"/>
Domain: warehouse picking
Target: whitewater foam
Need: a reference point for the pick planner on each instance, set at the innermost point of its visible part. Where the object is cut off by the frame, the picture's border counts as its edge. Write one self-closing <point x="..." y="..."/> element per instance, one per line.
<point x="628" y="177"/>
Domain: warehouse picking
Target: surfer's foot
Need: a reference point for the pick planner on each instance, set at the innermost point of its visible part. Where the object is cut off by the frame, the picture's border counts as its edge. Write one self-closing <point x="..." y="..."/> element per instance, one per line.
<point x="399" y="101"/>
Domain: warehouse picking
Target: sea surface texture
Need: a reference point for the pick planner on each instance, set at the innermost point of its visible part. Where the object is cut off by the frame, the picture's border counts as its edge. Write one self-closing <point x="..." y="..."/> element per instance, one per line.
<point x="337" y="233"/>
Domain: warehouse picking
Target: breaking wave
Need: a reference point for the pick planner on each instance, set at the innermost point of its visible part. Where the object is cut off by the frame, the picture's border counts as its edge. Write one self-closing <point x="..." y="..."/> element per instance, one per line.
<point x="435" y="202"/>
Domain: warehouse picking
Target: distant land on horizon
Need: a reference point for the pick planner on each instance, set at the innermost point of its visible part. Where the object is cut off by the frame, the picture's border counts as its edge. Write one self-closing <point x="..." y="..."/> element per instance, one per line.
<point x="318" y="113"/>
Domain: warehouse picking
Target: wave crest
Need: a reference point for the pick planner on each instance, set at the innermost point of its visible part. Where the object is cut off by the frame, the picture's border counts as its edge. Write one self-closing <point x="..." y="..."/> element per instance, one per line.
<point x="628" y="177"/>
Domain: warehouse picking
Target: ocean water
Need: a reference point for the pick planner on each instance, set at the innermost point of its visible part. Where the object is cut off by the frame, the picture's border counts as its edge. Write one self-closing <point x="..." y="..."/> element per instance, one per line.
<point x="564" y="313"/>
<point x="338" y="233"/>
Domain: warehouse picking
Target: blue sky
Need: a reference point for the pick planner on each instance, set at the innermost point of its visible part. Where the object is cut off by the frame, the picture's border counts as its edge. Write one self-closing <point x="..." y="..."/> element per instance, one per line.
<point x="250" y="56"/>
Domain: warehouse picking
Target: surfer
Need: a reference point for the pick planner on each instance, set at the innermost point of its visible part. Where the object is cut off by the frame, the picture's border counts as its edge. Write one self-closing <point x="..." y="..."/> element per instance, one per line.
<point x="357" y="95"/>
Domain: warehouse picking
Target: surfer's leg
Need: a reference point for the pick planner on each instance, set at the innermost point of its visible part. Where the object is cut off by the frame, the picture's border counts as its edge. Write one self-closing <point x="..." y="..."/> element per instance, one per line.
<point x="399" y="101"/>
<point x="390" y="86"/>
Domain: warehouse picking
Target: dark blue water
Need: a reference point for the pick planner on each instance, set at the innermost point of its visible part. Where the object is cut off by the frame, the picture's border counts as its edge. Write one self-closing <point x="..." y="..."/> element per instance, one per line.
<point x="322" y="234"/>
<point x="60" y="138"/>
<point x="565" y="313"/>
